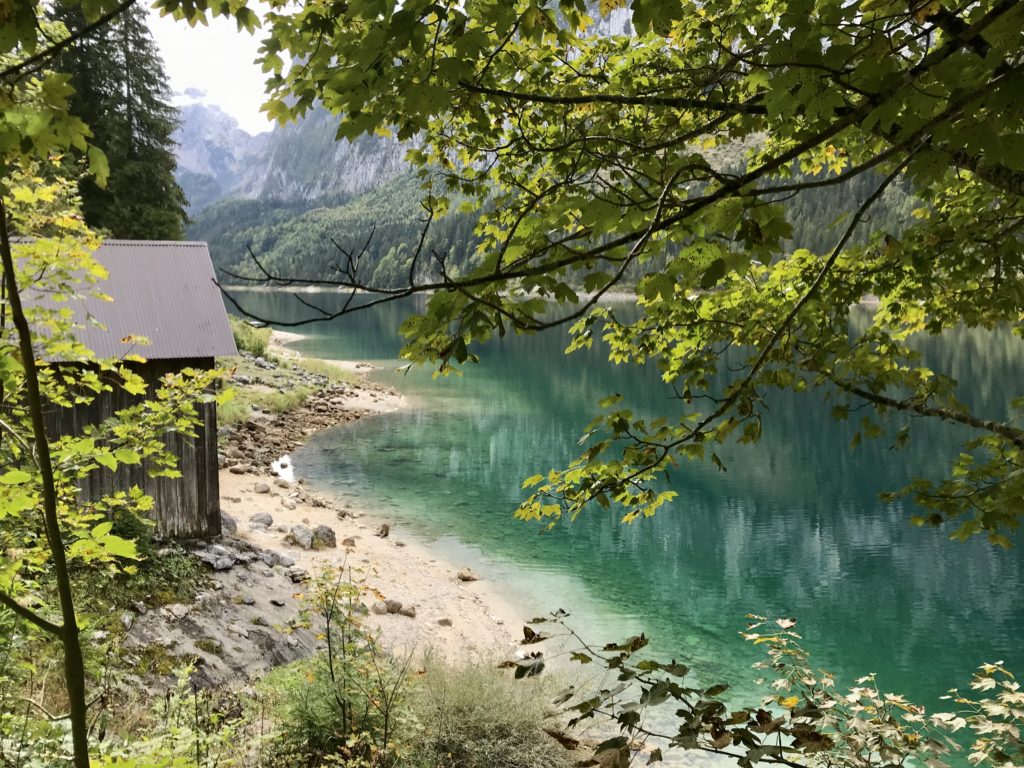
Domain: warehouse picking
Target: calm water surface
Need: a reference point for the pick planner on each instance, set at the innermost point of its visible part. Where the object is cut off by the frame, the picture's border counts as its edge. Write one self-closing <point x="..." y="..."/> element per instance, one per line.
<point x="795" y="526"/>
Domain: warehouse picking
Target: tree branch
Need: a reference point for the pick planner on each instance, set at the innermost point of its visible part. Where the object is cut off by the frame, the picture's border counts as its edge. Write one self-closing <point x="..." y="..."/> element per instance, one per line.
<point x="679" y="102"/>
<point x="53" y="50"/>
<point x="31" y="616"/>
<point x="1014" y="436"/>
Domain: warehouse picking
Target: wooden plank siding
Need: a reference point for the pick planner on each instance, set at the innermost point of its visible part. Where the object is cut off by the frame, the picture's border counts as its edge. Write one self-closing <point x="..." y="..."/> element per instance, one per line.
<point x="185" y="507"/>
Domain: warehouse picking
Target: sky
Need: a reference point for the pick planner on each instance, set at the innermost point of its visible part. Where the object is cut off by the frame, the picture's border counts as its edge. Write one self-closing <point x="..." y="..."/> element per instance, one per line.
<point x="217" y="60"/>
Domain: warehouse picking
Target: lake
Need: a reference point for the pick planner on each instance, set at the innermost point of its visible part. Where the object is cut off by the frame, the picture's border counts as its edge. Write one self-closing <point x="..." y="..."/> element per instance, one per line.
<point x="793" y="528"/>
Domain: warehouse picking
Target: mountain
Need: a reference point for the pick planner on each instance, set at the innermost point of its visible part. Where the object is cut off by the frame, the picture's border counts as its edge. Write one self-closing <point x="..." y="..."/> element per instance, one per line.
<point x="296" y="163"/>
<point x="304" y="162"/>
<point x="213" y="152"/>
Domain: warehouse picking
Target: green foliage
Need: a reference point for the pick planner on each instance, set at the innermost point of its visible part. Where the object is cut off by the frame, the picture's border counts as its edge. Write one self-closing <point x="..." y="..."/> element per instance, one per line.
<point x="248" y="338"/>
<point x="593" y="158"/>
<point x="189" y="728"/>
<point x="121" y="93"/>
<point x="343" y="706"/>
<point x="473" y="716"/>
<point x="803" y="720"/>
<point x="55" y="530"/>
<point x="381" y="227"/>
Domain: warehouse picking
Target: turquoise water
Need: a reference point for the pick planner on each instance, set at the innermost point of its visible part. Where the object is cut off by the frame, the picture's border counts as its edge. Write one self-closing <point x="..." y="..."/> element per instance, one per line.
<point x="793" y="528"/>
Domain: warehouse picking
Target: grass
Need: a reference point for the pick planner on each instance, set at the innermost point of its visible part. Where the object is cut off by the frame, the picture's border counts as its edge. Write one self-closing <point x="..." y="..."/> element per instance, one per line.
<point x="332" y="373"/>
<point x="249" y="339"/>
<point x="474" y="716"/>
<point x="240" y="408"/>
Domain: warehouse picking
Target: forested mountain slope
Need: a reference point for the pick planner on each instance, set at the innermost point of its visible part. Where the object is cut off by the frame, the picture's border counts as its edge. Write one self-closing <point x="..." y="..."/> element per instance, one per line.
<point x="290" y="239"/>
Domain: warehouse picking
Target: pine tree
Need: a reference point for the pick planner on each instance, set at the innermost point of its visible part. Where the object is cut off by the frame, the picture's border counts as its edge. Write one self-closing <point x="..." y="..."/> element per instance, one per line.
<point x="121" y="92"/>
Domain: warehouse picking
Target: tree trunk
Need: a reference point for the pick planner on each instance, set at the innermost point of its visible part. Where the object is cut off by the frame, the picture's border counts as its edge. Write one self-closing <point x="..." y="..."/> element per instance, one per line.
<point x="74" y="667"/>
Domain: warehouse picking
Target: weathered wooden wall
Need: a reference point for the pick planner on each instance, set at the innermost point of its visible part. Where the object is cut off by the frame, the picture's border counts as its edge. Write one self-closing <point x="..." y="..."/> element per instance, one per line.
<point x="185" y="507"/>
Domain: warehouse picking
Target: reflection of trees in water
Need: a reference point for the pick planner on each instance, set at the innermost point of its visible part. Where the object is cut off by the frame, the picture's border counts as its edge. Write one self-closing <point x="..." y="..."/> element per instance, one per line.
<point x="794" y="527"/>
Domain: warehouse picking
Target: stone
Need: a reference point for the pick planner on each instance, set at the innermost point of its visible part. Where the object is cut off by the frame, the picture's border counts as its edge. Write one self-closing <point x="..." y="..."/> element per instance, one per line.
<point x="284" y="463"/>
<point x="408" y="610"/>
<point x="248" y="600"/>
<point x="287" y="503"/>
<point x="277" y="602"/>
<point x="238" y="469"/>
<point x="127" y="620"/>
<point x="284" y="561"/>
<point x="445" y="622"/>
<point x="348" y="541"/>
<point x="280" y="483"/>
<point x="393" y="606"/>
<point x="234" y="452"/>
<point x="297" y="575"/>
<point x="324" y="537"/>
<point x="228" y="524"/>
<point x="177" y="610"/>
<point x="262" y="519"/>
<point x="261" y="488"/>
<point x="399" y="543"/>
<point x="466" y="574"/>
<point x="218" y="557"/>
<point x="259" y="621"/>
<point x="300" y="536"/>
<point x="384" y="530"/>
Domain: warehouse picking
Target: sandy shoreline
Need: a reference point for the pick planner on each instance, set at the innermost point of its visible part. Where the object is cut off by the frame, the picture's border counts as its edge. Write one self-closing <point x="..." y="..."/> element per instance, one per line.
<point x="457" y="619"/>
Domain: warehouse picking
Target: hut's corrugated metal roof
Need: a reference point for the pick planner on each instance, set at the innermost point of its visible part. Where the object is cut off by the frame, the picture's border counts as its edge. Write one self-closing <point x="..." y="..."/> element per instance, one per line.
<point x="162" y="290"/>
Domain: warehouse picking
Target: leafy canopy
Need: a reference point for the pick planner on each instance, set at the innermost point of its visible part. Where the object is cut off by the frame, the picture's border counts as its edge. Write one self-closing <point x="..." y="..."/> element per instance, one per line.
<point x="659" y="138"/>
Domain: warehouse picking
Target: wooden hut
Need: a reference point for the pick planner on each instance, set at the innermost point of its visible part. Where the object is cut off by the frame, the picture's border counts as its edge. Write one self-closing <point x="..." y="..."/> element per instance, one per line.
<point x="165" y="292"/>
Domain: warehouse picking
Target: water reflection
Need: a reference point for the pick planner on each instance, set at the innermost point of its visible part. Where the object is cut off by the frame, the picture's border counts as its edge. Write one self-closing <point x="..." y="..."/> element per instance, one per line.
<point x="794" y="527"/>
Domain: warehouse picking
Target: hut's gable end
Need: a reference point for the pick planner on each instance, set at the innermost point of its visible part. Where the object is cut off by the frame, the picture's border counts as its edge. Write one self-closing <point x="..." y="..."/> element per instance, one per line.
<point x="164" y="292"/>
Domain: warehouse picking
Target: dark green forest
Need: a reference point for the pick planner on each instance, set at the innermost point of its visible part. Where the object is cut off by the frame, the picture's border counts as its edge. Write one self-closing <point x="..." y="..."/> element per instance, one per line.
<point x="295" y="240"/>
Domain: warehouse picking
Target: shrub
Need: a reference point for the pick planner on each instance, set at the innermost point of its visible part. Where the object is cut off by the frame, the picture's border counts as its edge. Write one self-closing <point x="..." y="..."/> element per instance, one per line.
<point x="473" y="716"/>
<point x="342" y="706"/>
<point x="249" y="339"/>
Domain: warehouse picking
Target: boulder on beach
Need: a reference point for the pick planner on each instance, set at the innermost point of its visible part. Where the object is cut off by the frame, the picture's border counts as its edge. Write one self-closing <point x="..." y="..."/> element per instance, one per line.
<point x="301" y="536"/>
<point x="467" y="574"/>
<point x="324" y="537"/>
<point x="262" y="519"/>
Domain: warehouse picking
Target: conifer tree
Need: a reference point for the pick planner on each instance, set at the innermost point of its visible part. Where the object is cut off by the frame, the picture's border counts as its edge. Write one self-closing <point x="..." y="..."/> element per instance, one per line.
<point x="121" y="93"/>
